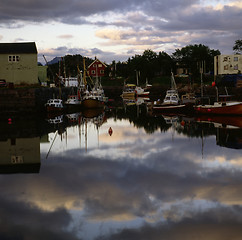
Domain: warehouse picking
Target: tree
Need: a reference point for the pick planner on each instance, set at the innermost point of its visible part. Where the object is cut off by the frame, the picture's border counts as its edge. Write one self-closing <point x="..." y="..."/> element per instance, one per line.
<point x="192" y="57"/>
<point x="238" y="46"/>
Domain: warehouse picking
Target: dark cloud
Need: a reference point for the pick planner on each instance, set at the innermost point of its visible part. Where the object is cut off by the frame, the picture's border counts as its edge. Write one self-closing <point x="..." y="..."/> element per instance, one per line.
<point x="106" y="56"/>
<point x="208" y="225"/>
<point x="20" y="220"/>
<point x="159" y="25"/>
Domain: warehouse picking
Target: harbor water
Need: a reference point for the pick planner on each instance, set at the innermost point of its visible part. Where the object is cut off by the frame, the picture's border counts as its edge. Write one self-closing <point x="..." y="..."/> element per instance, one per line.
<point x="120" y="173"/>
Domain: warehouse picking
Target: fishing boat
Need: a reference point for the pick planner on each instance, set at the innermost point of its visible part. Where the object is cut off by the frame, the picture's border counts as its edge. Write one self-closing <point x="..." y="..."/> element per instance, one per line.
<point x="95" y="98"/>
<point x="139" y="91"/>
<point x="73" y="101"/>
<point x="188" y="98"/>
<point x="54" y="105"/>
<point x="129" y="91"/>
<point x="132" y="90"/>
<point x="171" y="102"/>
<point x="223" y="107"/>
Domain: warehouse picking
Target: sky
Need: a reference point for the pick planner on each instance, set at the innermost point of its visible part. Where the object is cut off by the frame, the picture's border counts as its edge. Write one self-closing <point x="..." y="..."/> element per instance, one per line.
<point x="116" y="30"/>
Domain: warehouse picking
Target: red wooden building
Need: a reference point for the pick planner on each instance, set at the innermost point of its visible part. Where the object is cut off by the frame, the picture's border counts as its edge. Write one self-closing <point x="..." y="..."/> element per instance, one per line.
<point x="96" y="68"/>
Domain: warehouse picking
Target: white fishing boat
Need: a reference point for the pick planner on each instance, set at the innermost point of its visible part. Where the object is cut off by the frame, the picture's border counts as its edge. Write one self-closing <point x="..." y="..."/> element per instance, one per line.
<point x="171" y="102"/>
<point x="139" y="91"/>
<point x="54" y="105"/>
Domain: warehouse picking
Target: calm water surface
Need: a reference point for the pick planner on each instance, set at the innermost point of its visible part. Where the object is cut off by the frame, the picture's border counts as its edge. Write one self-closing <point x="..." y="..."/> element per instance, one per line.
<point x="150" y="177"/>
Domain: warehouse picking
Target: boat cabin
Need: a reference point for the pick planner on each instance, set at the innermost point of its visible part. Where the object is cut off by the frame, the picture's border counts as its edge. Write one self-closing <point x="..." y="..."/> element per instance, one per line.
<point x="55" y="103"/>
<point x="171" y="97"/>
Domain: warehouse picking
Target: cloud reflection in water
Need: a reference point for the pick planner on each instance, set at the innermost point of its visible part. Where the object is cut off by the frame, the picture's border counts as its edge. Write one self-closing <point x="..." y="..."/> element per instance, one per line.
<point x="131" y="185"/>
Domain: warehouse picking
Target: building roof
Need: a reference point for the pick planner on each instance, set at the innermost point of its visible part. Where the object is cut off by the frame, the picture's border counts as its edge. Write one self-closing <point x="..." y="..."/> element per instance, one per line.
<point x="97" y="60"/>
<point x="17" y="48"/>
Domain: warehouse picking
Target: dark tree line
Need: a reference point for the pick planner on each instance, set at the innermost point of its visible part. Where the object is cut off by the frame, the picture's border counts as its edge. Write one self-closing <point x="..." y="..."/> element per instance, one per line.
<point x="149" y="65"/>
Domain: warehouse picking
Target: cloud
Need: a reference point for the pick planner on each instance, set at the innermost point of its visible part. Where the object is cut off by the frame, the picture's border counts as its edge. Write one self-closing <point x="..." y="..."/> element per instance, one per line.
<point x="28" y="221"/>
<point x="65" y="36"/>
<point x="125" y="27"/>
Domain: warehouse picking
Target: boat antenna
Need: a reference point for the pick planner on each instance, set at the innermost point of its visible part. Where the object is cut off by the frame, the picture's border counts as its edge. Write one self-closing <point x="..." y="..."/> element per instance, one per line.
<point x="173" y="83"/>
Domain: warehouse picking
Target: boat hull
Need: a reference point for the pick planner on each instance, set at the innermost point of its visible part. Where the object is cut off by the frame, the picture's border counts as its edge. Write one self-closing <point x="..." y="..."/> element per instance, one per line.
<point x="144" y="94"/>
<point x="233" y="109"/>
<point x="182" y="108"/>
<point x="128" y="94"/>
<point x="92" y="103"/>
<point x="54" y="109"/>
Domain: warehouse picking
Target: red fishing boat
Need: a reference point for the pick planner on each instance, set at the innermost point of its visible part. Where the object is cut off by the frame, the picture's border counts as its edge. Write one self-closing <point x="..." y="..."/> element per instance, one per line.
<point x="223" y="107"/>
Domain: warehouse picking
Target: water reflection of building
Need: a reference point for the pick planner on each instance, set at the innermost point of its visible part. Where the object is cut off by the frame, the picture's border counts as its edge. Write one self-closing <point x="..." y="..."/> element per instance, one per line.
<point x="20" y="143"/>
<point x="20" y="155"/>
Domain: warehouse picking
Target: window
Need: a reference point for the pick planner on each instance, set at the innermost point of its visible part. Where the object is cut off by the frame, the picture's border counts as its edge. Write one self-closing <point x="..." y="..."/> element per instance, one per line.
<point x="236" y="67"/>
<point x="236" y="59"/>
<point x="225" y="59"/>
<point x="100" y="65"/>
<point x="102" y="71"/>
<point x="226" y="67"/>
<point x="13" y="58"/>
<point x="93" y="71"/>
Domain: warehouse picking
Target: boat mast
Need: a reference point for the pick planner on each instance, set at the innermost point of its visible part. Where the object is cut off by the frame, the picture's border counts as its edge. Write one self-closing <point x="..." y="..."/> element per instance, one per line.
<point x="173" y="83"/>
<point x="201" y="72"/>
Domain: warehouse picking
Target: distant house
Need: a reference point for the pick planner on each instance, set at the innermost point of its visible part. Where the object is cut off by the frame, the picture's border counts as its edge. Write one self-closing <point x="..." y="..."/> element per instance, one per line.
<point x="227" y="64"/>
<point x="18" y="62"/>
<point x="96" y="68"/>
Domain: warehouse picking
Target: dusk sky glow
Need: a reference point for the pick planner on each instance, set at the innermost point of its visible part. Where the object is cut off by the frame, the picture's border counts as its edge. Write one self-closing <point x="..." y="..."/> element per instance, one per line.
<point x="117" y="30"/>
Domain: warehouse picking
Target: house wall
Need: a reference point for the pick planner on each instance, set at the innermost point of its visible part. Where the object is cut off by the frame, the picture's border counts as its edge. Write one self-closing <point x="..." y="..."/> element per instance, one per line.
<point x="25" y="70"/>
<point x="227" y="64"/>
<point x="96" y="69"/>
<point x="42" y="73"/>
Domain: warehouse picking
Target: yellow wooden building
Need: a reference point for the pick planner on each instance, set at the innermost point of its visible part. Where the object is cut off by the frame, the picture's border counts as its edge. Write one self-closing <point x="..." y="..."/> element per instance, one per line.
<point x="18" y="63"/>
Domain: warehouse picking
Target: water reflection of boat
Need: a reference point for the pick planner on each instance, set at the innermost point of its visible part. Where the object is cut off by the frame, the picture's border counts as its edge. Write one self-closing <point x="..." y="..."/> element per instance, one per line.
<point x="170" y="119"/>
<point x="222" y="121"/>
<point x="135" y="100"/>
<point x="56" y="119"/>
<point x="73" y="118"/>
<point x="91" y="113"/>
